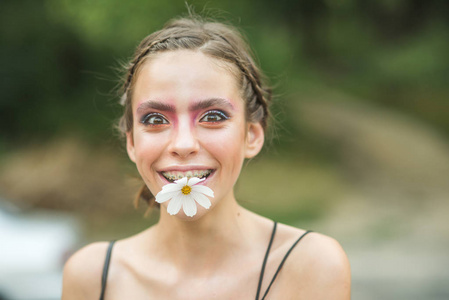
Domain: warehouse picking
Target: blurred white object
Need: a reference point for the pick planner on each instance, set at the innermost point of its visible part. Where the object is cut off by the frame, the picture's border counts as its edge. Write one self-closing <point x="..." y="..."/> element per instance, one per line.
<point x="33" y="249"/>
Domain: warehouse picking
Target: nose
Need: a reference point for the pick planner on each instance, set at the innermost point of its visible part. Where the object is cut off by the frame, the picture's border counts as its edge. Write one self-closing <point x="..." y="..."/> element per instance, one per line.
<point x="184" y="142"/>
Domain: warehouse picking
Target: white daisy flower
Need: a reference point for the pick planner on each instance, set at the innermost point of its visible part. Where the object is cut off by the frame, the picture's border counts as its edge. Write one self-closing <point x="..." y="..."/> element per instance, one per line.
<point x="184" y="192"/>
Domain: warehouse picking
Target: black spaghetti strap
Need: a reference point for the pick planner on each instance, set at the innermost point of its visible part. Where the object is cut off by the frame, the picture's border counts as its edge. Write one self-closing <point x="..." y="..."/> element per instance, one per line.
<point x="283" y="261"/>
<point x="265" y="260"/>
<point x="104" y="277"/>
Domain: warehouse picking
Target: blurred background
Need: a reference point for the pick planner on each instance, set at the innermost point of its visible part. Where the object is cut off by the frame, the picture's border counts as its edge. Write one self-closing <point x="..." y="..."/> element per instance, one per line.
<point x="360" y="149"/>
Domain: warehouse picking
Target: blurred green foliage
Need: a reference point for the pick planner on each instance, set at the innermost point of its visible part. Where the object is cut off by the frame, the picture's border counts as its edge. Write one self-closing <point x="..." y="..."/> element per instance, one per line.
<point x="59" y="58"/>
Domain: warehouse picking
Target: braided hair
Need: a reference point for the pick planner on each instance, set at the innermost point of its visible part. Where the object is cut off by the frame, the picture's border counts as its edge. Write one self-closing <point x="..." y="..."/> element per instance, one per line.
<point x="214" y="39"/>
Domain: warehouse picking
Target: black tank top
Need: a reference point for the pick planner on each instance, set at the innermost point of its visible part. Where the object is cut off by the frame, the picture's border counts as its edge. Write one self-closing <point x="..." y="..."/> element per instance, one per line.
<point x="104" y="276"/>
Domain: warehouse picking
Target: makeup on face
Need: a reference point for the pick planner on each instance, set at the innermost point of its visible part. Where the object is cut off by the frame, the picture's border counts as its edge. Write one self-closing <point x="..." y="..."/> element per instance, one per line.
<point x="208" y="111"/>
<point x="189" y="121"/>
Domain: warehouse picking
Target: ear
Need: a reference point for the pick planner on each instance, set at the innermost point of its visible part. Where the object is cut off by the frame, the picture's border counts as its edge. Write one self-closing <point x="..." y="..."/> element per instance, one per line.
<point x="255" y="137"/>
<point x="130" y="146"/>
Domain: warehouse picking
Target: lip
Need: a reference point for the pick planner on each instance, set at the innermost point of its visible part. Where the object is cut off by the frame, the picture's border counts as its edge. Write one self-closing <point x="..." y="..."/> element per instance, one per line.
<point x="184" y="168"/>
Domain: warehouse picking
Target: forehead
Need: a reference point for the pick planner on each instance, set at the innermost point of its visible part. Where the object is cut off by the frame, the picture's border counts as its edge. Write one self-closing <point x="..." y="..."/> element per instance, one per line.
<point x="185" y="75"/>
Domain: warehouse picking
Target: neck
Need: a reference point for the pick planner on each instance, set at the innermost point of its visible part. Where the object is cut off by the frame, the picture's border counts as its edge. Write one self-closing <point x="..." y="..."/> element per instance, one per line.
<point x="205" y="241"/>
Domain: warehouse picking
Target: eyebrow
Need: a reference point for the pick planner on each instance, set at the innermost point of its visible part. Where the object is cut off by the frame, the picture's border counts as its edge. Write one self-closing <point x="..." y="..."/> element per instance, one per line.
<point x="155" y="105"/>
<point x="202" y="104"/>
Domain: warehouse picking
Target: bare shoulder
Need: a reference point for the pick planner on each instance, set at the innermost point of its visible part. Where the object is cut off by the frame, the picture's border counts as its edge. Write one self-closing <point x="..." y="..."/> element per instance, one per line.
<point x="82" y="272"/>
<point x="320" y="264"/>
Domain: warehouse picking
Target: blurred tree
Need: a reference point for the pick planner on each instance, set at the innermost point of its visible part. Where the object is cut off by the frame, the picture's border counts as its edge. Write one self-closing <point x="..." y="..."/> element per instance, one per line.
<point x="57" y="57"/>
<point x="41" y="70"/>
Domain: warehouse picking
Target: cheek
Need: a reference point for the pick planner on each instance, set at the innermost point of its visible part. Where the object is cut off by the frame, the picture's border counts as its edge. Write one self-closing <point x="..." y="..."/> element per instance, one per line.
<point x="148" y="147"/>
<point x="226" y="144"/>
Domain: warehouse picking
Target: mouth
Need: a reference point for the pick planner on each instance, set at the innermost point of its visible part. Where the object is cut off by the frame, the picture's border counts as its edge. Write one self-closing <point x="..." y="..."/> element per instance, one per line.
<point x="171" y="176"/>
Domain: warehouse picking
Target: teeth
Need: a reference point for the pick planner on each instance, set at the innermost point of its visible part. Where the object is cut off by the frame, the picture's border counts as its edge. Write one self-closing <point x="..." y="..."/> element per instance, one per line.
<point x="172" y="176"/>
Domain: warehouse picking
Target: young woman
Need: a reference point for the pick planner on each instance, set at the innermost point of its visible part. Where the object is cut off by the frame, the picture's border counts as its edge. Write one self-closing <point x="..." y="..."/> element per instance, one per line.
<point x="195" y="108"/>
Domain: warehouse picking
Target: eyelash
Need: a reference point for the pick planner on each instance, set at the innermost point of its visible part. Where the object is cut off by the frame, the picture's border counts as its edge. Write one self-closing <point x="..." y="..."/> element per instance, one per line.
<point x="219" y="113"/>
<point x="146" y="119"/>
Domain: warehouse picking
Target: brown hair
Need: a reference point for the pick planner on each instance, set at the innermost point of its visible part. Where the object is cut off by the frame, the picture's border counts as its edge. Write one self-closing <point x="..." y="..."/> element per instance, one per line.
<point x="214" y="39"/>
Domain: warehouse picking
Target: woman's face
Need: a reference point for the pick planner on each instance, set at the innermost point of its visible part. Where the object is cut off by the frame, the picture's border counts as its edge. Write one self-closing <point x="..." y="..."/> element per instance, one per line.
<point x="189" y="119"/>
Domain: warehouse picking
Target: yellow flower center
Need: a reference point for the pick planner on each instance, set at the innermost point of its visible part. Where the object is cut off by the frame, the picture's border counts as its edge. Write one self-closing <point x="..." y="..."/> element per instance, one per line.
<point x="186" y="190"/>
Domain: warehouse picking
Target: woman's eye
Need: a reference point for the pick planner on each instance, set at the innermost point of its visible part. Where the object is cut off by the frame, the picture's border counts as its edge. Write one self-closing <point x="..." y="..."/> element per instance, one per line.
<point x="154" y="119"/>
<point x="214" y="116"/>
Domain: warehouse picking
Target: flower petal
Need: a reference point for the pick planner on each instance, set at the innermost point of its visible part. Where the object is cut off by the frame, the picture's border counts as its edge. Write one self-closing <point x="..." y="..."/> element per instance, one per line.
<point x="201" y="199"/>
<point x="204" y="190"/>
<point x="170" y="187"/>
<point x="162" y="196"/>
<point x="175" y="205"/>
<point x="182" y="181"/>
<point x="189" y="206"/>
<point x="195" y="180"/>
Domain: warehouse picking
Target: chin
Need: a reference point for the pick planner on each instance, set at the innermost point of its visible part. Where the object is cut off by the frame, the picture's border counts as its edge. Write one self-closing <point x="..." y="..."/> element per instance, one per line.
<point x="201" y="212"/>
